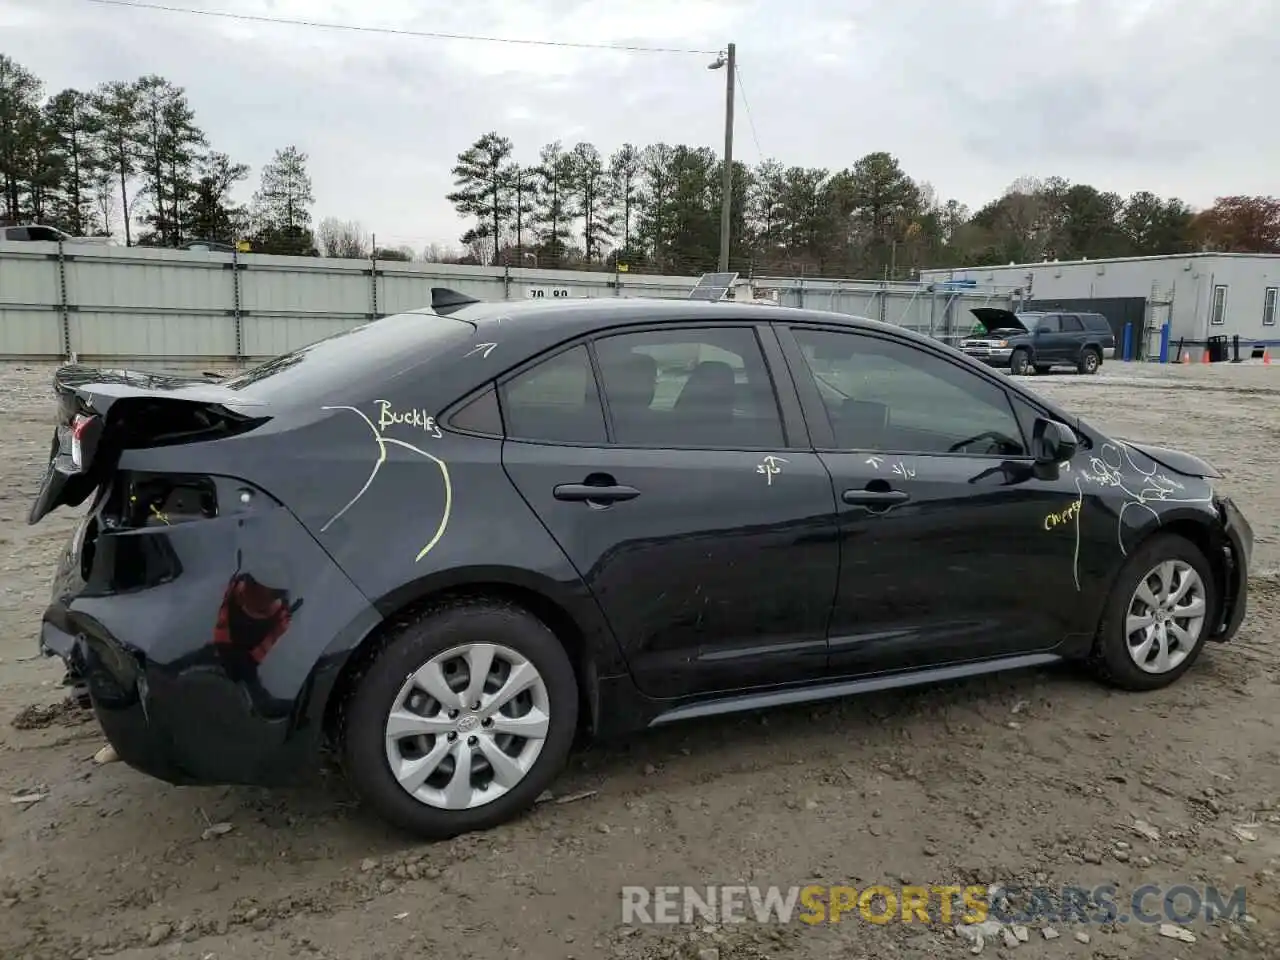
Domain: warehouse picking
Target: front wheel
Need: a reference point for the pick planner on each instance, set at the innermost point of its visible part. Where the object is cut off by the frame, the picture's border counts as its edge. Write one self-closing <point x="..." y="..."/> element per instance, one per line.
<point x="1158" y="616"/>
<point x="1018" y="363"/>
<point x="465" y="716"/>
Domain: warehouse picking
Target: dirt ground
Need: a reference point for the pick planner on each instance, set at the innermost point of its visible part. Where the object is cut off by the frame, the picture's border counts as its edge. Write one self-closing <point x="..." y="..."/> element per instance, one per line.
<point x="1034" y="778"/>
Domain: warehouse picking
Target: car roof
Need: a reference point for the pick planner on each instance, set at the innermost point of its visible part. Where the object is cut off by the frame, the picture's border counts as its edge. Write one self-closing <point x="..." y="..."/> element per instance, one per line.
<point x="554" y="321"/>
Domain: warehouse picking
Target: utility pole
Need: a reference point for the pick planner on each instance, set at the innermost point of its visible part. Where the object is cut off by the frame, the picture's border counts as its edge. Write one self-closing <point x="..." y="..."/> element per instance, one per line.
<point x="729" y="61"/>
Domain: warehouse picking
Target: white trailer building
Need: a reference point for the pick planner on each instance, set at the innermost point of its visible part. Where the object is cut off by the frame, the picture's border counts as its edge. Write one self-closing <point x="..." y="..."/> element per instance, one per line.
<point x="1200" y="295"/>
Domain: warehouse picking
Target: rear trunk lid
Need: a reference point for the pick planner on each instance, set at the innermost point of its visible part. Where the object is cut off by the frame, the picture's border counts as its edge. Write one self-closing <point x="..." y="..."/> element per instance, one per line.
<point x="103" y="412"/>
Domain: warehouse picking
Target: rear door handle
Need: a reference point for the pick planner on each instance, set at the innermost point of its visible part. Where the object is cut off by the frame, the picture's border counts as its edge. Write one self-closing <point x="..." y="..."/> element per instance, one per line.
<point x="583" y="492"/>
<point x="876" y="498"/>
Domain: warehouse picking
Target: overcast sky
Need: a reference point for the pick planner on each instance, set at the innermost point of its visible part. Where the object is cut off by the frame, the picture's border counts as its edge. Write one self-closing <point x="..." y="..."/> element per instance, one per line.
<point x="1165" y="95"/>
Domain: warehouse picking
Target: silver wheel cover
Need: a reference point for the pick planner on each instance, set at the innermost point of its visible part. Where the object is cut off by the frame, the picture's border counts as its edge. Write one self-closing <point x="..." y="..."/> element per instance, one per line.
<point x="1165" y="617"/>
<point x="467" y="726"/>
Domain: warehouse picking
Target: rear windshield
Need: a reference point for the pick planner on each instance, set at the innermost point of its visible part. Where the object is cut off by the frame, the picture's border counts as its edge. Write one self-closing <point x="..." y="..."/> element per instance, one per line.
<point x="376" y="350"/>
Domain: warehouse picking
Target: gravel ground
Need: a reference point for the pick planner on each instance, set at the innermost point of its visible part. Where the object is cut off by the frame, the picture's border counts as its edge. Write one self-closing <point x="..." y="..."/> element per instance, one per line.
<point x="1042" y="778"/>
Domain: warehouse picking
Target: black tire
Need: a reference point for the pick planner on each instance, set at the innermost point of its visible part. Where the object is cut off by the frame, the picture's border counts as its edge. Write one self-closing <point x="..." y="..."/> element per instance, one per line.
<point x="408" y="647"/>
<point x="1018" y="363"/>
<point x="1110" y="659"/>
<point x="1043" y="368"/>
<point x="1090" y="361"/>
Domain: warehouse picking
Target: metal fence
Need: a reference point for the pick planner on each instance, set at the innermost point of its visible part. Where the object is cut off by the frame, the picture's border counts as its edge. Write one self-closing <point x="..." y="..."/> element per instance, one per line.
<point x="112" y="304"/>
<point x="933" y="309"/>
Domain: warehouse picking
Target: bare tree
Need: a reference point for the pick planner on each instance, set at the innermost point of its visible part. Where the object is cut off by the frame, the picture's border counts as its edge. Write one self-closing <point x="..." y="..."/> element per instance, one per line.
<point x="344" y="239"/>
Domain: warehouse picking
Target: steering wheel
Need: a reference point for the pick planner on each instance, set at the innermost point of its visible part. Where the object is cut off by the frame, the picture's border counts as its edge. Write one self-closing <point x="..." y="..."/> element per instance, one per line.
<point x="995" y="435"/>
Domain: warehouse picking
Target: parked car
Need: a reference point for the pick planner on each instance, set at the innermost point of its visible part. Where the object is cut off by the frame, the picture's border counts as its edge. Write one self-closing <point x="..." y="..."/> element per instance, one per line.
<point x="1041" y="341"/>
<point x="37" y="233"/>
<point x="208" y="246"/>
<point x="445" y="543"/>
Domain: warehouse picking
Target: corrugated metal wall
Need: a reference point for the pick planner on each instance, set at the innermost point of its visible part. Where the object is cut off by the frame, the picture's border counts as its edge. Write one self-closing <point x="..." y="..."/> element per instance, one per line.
<point x="111" y="304"/>
<point x="933" y="310"/>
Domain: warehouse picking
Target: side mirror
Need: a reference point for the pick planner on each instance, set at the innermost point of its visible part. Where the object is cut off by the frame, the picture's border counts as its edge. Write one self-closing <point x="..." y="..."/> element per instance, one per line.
<point x="1038" y="332"/>
<point x="1052" y="442"/>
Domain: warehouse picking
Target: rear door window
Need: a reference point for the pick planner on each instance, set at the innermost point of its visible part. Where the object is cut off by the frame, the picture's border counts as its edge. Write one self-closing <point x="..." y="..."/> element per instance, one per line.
<point x="1071" y="323"/>
<point x="703" y="387"/>
<point x="555" y="401"/>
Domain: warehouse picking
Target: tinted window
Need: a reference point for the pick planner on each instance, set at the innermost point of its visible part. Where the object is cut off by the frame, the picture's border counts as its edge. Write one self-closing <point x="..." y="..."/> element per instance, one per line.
<point x="893" y="397"/>
<point x="555" y="401"/>
<point x="1071" y="323"/>
<point x="16" y="233"/>
<point x="705" y="387"/>
<point x="1049" y="324"/>
<point x="323" y="371"/>
<point x="1096" y="321"/>
<point x="480" y="415"/>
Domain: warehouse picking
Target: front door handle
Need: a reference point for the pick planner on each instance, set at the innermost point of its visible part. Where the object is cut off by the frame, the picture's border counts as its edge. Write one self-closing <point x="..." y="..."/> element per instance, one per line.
<point x="875" y="498"/>
<point x="589" y="492"/>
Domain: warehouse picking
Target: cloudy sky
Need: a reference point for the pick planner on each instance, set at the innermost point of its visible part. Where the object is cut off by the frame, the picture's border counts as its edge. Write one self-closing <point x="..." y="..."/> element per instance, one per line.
<point x="1165" y="95"/>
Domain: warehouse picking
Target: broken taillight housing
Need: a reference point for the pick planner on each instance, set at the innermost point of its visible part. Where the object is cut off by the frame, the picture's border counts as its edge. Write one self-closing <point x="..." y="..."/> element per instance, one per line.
<point x="72" y="440"/>
<point x="158" y="500"/>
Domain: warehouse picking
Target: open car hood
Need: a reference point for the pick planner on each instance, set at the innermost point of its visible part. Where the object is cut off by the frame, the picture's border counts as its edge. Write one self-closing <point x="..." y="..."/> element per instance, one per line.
<point x="995" y="318"/>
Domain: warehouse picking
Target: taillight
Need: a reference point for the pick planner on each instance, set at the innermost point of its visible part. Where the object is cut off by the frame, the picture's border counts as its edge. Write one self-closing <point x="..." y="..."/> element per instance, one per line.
<point x="80" y="425"/>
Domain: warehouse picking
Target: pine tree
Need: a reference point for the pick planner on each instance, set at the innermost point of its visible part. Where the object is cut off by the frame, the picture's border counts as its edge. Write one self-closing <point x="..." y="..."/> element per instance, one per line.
<point x="590" y="183"/>
<point x="72" y="131"/>
<point x="19" y="129"/>
<point x="554" y="212"/>
<point x="116" y="106"/>
<point x="482" y="190"/>
<point x="624" y="189"/>
<point x="213" y="214"/>
<point x="281" y="207"/>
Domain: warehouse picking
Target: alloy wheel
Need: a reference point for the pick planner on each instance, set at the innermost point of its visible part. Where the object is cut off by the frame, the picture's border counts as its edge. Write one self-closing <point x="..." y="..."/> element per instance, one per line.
<point x="1165" y="616"/>
<point x="467" y="726"/>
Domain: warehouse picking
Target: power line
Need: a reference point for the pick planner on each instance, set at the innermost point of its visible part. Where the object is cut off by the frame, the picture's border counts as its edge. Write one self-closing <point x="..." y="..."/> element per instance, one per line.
<point x="394" y="31"/>
<point x="747" y="107"/>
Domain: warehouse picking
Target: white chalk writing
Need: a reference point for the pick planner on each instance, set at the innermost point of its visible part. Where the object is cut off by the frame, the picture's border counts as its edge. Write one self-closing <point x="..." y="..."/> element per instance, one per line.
<point x="769" y="467"/>
<point x="387" y="417"/>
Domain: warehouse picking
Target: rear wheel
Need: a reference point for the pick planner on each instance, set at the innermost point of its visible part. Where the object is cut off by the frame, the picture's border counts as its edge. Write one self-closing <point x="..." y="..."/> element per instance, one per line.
<point x="1018" y="363"/>
<point x="1090" y="360"/>
<point x="1158" y="616"/>
<point x="466" y="715"/>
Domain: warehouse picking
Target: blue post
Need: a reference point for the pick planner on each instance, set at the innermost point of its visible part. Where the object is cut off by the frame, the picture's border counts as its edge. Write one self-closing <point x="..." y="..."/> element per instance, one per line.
<point x="1127" y="350"/>
<point x="1164" y="342"/>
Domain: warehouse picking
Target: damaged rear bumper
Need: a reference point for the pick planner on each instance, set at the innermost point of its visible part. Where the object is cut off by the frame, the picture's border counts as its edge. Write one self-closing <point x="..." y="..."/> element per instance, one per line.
<point x="208" y="649"/>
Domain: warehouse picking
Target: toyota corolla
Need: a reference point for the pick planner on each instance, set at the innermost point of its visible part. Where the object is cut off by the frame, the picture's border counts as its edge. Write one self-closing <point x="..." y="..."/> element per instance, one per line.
<point x="443" y="544"/>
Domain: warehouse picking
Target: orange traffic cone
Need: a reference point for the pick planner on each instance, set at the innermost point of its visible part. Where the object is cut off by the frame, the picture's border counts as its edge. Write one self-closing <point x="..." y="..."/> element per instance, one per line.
<point x="1204" y="357"/>
<point x="1266" y="356"/>
<point x="1186" y="356"/>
